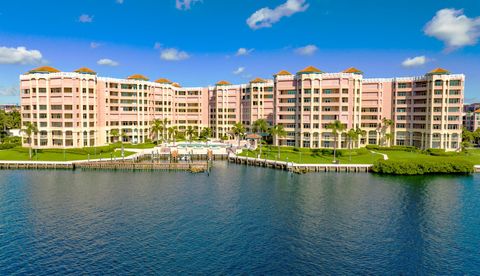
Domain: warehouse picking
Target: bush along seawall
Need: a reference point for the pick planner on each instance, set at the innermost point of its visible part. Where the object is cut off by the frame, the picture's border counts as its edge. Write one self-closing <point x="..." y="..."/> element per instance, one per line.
<point x="395" y="160"/>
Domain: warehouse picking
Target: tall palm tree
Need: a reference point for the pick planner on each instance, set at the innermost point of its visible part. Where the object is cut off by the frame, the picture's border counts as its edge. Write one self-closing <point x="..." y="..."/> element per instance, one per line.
<point x="387" y="124"/>
<point x="260" y="126"/>
<point x="157" y="127"/>
<point x="336" y="127"/>
<point x="277" y="131"/>
<point x="190" y="132"/>
<point x="352" y="135"/>
<point x="164" y="123"/>
<point x="361" y="133"/>
<point x="29" y="130"/>
<point x="119" y="135"/>
<point x="389" y="138"/>
<point x="238" y="131"/>
<point x="206" y="133"/>
<point x="173" y="132"/>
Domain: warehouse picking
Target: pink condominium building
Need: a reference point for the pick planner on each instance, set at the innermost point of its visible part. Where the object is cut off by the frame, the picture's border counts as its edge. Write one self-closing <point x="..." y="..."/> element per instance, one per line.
<point x="77" y="109"/>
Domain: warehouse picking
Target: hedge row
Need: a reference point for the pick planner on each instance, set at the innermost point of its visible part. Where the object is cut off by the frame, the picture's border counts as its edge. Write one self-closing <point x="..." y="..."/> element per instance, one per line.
<point x="415" y="167"/>
<point x="441" y="152"/>
<point x="401" y="148"/>
<point x="340" y="152"/>
<point x="7" y="146"/>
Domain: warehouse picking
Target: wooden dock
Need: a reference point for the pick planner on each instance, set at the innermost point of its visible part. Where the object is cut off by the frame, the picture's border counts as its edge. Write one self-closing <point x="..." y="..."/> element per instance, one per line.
<point x="122" y="165"/>
<point x="144" y="166"/>
<point x="29" y="165"/>
<point x="300" y="168"/>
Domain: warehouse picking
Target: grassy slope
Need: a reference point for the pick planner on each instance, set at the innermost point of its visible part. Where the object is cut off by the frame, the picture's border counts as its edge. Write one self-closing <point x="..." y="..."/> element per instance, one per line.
<point x="19" y="154"/>
<point x="307" y="157"/>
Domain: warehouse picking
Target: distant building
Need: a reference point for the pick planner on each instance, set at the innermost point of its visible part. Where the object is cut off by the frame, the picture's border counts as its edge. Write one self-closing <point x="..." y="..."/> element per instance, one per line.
<point x="9" y="107"/>
<point x="471" y="116"/>
<point x="77" y="109"/>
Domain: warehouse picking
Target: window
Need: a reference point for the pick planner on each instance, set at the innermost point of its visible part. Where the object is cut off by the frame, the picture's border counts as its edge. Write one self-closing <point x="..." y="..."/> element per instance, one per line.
<point x="455" y="83"/>
<point x="404" y="85"/>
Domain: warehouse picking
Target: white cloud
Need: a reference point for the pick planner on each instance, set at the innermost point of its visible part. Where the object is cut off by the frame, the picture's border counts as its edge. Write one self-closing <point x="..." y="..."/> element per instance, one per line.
<point x="107" y="62"/>
<point x="454" y="28"/>
<point x="185" y="4"/>
<point x="239" y="70"/>
<point x="172" y="54"/>
<point x="119" y="1"/>
<point x="19" y="55"/>
<point x="9" y="91"/>
<point x="243" y="52"/>
<point x="85" y="18"/>
<point x="265" y="17"/>
<point x="414" y="61"/>
<point x="95" y="45"/>
<point x="307" y="50"/>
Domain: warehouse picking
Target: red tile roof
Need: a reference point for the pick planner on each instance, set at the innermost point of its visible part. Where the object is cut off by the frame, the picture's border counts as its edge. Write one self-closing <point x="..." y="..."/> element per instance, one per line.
<point x="310" y="69"/>
<point x="223" y="83"/>
<point x="283" y="73"/>
<point x="352" y="70"/>
<point x="138" y="77"/>
<point x="44" y="69"/>
<point x="85" y="70"/>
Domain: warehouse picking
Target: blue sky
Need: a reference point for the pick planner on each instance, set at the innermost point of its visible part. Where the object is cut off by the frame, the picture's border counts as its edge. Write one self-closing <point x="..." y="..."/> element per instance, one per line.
<point x="198" y="43"/>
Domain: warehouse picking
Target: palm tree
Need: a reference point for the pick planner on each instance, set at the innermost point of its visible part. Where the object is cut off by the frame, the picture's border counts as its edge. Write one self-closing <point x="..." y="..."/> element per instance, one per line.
<point x="114" y="133"/>
<point x="173" y="132"/>
<point x="352" y="135"/>
<point x="387" y="124"/>
<point x="190" y="132"/>
<point x="389" y="138"/>
<point x="164" y="123"/>
<point x="261" y="126"/>
<point x="119" y="135"/>
<point x="29" y="130"/>
<point x="336" y="127"/>
<point x="277" y="131"/>
<point x="206" y="133"/>
<point x="238" y="131"/>
<point x="157" y="127"/>
<point x="361" y="133"/>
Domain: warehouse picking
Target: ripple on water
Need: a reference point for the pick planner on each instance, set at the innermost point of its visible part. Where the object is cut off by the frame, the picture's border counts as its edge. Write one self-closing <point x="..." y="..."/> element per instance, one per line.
<point x="238" y="220"/>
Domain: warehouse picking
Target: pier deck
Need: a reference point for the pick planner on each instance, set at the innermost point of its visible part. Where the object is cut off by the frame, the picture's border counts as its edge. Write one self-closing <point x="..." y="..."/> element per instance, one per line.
<point x="290" y="166"/>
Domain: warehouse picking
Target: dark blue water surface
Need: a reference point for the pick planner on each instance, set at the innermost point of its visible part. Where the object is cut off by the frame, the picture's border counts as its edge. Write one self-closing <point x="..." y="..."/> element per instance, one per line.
<point x="237" y="220"/>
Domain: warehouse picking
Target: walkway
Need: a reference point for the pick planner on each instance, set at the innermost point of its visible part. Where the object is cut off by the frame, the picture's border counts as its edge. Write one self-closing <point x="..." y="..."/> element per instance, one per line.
<point x="385" y="157"/>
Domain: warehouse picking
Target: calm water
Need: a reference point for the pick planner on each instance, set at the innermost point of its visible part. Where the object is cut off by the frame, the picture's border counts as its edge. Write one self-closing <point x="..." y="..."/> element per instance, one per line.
<point x="237" y="220"/>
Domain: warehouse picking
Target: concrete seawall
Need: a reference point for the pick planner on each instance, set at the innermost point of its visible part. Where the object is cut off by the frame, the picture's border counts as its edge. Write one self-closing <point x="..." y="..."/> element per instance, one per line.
<point x="294" y="167"/>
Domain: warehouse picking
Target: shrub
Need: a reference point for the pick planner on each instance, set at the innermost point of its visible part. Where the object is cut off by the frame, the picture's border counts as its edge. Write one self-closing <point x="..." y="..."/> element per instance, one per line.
<point x="401" y="148"/>
<point x="296" y="149"/>
<point x="414" y="167"/>
<point x="12" y="140"/>
<point x="7" y="146"/>
<point x="440" y="152"/>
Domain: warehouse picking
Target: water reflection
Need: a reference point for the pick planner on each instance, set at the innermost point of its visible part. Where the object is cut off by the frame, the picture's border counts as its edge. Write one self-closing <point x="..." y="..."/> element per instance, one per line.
<point x="237" y="220"/>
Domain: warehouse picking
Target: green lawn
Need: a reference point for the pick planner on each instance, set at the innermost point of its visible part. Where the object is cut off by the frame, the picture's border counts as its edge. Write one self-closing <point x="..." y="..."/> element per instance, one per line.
<point x="19" y="154"/>
<point x="135" y="146"/>
<point x="473" y="155"/>
<point x="308" y="157"/>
